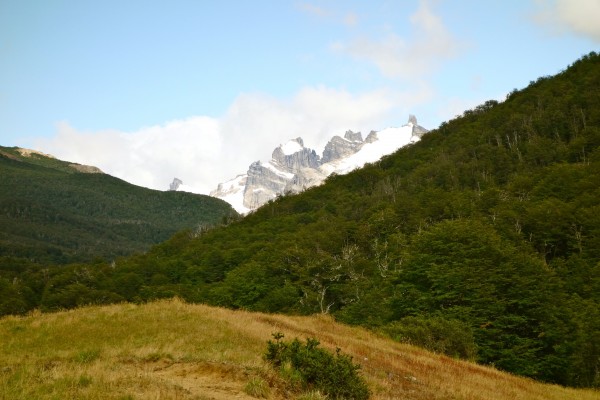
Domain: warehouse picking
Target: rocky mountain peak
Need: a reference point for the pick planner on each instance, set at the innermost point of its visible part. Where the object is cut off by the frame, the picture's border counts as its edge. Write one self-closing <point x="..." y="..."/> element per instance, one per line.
<point x="417" y="130"/>
<point x="353" y="136"/>
<point x="339" y="147"/>
<point x="293" y="167"/>
<point x="371" y="137"/>
<point x="293" y="156"/>
<point x="175" y="184"/>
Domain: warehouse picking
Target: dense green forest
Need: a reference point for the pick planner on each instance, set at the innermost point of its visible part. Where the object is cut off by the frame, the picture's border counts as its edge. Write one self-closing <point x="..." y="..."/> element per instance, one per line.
<point x="52" y="213"/>
<point x="481" y="241"/>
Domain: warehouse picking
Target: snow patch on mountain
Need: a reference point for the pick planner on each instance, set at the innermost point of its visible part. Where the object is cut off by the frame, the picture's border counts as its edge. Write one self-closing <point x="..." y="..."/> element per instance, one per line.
<point x="272" y="167"/>
<point x="232" y="192"/>
<point x="291" y="147"/>
<point x="387" y="141"/>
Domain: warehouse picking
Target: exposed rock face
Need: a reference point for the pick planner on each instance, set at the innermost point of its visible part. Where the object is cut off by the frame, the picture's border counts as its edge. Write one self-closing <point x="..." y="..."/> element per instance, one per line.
<point x="86" y="169"/>
<point x="300" y="158"/>
<point x="305" y="178"/>
<point x="417" y="130"/>
<point x="371" y="137"/>
<point x="293" y="167"/>
<point x="288" y="170"/>
<point x="353" y="136"/>
<point x="82" y="168"/>
<point x="175" y="184"/>
<point x="30" y="152"/>
<point x="264" y="183"/>
<point x="342" y="147"/>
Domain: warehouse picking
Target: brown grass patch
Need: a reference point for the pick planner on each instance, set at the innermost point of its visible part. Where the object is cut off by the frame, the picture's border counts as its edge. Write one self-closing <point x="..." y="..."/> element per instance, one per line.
<point x="173" y="350"/>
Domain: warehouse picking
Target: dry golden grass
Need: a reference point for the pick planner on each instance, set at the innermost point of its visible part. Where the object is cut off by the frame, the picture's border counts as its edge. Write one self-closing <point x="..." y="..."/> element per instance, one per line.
<point x="173" y="350"/>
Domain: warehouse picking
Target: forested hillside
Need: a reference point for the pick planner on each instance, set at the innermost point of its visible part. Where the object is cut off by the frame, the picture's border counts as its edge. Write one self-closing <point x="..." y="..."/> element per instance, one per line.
<point x="481" y="241"/>
<point x="53" y="212"/>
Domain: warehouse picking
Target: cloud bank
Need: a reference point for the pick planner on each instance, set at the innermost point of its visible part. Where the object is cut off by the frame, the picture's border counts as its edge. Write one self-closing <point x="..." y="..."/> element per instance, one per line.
<point x="349" y="19"/>
<point x="578" y="16"/>
<point x="149" y="157"/>
<point x="407" y="58"/>
<point x="203" y="151"/>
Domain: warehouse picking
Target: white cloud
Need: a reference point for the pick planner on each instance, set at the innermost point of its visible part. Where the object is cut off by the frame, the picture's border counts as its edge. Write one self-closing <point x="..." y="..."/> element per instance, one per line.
<point x="204" y="151"/>
<point x="579" y="16"/>
<point x="349" y="19"/>
<point x="338" y="109"/>
<point x="314" y="10"/>
<point x="149" y="157"/>
<point x="407" y="58"/>
<point x="255" y="124"/>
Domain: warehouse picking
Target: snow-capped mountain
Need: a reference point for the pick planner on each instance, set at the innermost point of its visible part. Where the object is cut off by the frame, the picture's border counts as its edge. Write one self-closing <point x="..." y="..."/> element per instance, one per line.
<point x="293" y="167"/>
<point x="232" y="192"/>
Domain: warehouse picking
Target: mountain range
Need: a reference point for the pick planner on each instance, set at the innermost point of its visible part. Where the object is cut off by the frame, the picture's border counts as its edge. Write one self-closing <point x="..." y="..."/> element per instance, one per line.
<point x="294" y="167"/>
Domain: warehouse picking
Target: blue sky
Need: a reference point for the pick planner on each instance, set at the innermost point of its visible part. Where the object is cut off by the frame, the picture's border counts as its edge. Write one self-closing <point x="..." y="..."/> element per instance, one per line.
<point x="150" y="90"/>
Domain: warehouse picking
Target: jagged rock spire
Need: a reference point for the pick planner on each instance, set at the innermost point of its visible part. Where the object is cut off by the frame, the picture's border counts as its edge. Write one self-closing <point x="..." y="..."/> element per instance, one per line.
<point x="175" y="184"/>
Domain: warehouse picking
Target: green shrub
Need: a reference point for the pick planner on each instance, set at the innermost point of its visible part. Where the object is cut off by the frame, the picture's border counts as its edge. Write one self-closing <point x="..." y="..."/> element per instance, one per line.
<point x="313" y="368"/>
<point x="451" y="337"/>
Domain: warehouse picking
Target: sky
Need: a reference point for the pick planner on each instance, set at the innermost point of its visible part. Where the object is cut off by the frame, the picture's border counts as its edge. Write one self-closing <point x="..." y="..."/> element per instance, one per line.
<point x="151" y="90"/>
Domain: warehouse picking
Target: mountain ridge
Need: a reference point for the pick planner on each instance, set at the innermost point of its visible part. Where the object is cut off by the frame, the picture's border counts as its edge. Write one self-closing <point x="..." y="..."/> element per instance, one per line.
<point x="57" y="211"/>
<point x="294" y="168"/>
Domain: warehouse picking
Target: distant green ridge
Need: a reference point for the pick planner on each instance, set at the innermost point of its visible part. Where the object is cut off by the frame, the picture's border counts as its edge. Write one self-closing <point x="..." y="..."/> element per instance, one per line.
<point x="53" y="211"/>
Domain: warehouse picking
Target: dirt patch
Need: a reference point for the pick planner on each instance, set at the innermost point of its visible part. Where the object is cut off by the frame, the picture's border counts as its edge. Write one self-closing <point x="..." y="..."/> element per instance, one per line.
<point x="212" y="381"/>
<point x="8" y="155"/>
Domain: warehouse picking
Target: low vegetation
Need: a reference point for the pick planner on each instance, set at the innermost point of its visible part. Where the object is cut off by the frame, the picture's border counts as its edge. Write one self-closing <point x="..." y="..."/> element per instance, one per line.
<point x="173" y="350"/>
<point x="308" y="367"/>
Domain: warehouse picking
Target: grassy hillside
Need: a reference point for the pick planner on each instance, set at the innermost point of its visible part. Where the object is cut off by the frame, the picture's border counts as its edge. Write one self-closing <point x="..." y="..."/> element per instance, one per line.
<point x="172" y="350"/>
<point x="52" y="212"/>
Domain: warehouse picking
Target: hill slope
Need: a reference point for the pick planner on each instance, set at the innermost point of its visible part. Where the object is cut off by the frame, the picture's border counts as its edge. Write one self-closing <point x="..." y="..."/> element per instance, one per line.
<point x="172" y="350"/>
<point x="52" y="211"/>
